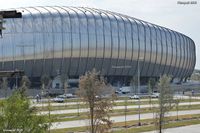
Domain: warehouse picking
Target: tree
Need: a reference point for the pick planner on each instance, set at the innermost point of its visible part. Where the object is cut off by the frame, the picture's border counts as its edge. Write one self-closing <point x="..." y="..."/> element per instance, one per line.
<point x="195" y="76"/>
<point x="92" y="90"/>
<point x="4" y="85"/>
<point x="18" y="116"/>
<point x="25" y="84"/>
<point x="45" y="79"/>
<point x="134" y="84"/>
<point x="165" y="101"/>
<point x="152" y="84"/>
<point x="64" y="79"/>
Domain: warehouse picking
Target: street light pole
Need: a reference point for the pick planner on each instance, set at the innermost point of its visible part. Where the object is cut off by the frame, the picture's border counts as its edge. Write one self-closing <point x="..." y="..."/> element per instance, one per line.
<point x="139" y="123"/>
<point x="16" y="82"/>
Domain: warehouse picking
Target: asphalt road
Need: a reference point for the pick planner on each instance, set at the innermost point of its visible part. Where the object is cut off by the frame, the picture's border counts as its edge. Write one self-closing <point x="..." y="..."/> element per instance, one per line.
<point x="34" y="103"/>
<point x="115" y="107"/>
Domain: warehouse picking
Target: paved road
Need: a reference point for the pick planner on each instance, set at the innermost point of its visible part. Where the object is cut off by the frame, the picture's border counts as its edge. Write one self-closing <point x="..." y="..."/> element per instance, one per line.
<point x="34" y="103"/>
<point x="185" y="129"/>
<point x="81" y="123"/>
<point x="115" y="107"/>
<point x="75" y="103"/>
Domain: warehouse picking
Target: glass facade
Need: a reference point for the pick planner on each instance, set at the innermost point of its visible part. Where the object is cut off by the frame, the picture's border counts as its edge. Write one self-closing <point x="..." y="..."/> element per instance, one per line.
<point x="48" y="40"/>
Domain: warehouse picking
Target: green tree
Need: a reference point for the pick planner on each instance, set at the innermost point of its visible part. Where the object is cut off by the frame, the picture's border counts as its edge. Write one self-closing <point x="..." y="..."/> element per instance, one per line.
<point x="92" y="89"/>
<point x="64" y="81"/>
<point x="25" y="84"/>
<point x="195" y="76"/>
<point x="4" y="86"/>
<point x="134" y="84"/>
<point x="45" y="79"/>
<point x="17" y="115"/>
<point x="165" y="101"/>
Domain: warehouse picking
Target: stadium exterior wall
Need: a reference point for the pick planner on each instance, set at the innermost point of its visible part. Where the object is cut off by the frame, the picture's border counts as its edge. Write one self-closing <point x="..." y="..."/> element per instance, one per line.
<point x="71" y="40"/>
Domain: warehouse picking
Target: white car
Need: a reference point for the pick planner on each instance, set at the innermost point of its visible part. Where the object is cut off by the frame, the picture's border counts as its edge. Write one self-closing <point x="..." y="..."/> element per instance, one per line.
<point x="134" y="97"/>
<point x="118" y="92"/>
<point x="155" y="95"/>
<point x="69" y="95"/>
<point x="59" y="99"/>
<point x="61" y="96"/>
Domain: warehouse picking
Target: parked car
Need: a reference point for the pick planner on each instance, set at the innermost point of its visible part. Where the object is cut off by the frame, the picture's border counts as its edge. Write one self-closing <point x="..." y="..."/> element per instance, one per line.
<point x="155" y="95"/>
<point x="59" y="99"/>
<point x="125" y="89"/>
<point x="134" y="97"/>
<point x="118" y="92"/>
<point x="68" y="95"/>
<point x="62" y="96"/>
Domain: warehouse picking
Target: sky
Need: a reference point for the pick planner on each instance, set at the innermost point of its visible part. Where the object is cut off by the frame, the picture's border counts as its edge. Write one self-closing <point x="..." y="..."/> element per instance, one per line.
<point x="184" y="18"/>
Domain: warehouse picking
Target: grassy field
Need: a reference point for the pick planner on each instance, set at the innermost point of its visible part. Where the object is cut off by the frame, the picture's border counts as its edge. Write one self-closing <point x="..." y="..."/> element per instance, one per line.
<point x="120" y="112"/>
<point x="147" y="125"/>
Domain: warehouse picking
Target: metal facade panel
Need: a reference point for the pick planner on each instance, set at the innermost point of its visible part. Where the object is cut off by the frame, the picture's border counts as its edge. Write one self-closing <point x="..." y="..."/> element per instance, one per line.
<point x="108" y="42"/>
<point x="148" y="50"/>
<point x="183" y="57"/>
<point x="145" y="62"/>
<point x="31" y="62"/>
<point x="94" y="43"/>
<point x="179" y="54"/>
<point x="175" y="55"/>
<point x="74" y="40"/>
<point x="170" y="52"/>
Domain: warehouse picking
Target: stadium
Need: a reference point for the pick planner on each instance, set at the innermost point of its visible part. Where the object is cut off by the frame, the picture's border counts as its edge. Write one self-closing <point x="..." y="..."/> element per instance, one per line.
<point x="73" y="40"/>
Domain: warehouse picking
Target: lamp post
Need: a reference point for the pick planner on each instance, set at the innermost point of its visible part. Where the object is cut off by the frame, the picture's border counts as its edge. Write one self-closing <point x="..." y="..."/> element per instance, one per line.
<point x="140" y="58"/>
<point x="16" y="82"/>
<point x="16" y="78"/>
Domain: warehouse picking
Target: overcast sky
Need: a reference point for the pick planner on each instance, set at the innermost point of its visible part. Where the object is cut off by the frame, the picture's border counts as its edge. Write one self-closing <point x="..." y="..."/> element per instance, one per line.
<point x="167" y="13"/>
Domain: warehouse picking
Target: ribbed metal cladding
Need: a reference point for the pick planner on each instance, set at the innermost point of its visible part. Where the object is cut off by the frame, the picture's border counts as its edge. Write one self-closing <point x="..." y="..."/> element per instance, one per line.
<point x="73" y="40"/>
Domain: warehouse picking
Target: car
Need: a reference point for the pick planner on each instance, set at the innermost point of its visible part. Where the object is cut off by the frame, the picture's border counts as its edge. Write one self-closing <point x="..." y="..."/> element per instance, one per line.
<point x="134" y="97"/>
<point x="118" y="92"/>
<point x="155" y="95"/>
<point x="62" y="96"/>
<point x="59" y="99"/>
<point x="69" y="95"/>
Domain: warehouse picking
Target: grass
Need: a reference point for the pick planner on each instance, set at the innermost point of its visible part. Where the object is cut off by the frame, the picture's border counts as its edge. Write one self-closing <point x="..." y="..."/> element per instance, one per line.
<point x="151" y="128"/>
<point x="74" y="116"/>
<point x="147" y="125"/>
